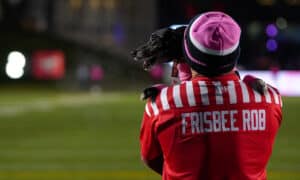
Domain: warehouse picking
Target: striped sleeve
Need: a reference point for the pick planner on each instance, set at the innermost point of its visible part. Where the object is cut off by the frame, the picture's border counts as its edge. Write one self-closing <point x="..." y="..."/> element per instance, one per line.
<point x="151" y="109"/>
<point x="204" y="93"/>
<point x="276" y="95"/>
<point x="147" y="111"/>
<point x="150" y="148"/>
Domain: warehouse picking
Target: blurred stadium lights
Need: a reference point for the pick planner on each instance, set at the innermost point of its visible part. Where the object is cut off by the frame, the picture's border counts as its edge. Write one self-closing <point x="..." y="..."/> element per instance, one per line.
<point x="16" y="62"/>
<point x="293" y="2"/>
<point x="273" y="2"/>
<point x="281" y="23"/>
<point x="271" y="30"/>
<point x="75" y="4"/>
<point x="14" y="2"/>
<point x="254" y="29"/>
<point x="86" y="30"/>
<point x="271" y="45"/>
<point x="48" y="64"/>
<point x="119" y="33"/>
<point x="279" y="79"/>
<point x="175" y="26"/>
<point x="266" y="2"/>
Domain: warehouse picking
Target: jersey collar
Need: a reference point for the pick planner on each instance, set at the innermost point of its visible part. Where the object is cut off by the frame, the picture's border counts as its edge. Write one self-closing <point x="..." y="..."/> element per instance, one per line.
<point x="225" y="77"/>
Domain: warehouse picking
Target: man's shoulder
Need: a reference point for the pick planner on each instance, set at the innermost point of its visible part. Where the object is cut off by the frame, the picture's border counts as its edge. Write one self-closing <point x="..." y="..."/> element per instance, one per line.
<point x="168" y="99"/>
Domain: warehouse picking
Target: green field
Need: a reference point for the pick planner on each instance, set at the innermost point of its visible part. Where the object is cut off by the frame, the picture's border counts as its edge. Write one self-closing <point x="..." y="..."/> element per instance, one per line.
<point x="76" y="136"/>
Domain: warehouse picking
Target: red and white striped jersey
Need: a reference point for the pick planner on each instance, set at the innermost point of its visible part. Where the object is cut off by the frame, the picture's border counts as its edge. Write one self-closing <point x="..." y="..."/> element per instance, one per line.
<point x="211" y="128"/>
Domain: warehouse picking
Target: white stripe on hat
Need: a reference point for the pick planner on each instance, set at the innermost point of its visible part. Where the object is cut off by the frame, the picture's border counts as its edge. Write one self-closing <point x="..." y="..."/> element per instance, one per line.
<point x="147" y="110"/>
<point x="176" y="96"/>
<point x="257" y="96"/>
<point x="218" y="94"/>
<point x="232" y="92"/>
<point x="204" y="93"/>
<point x="268" y="97"/>
<point x="275" y="95"/>
<point x="164" y="99"/>
<point x="190" y="93"/>
<point x="246" y="98"/>
<point x="154" y="107"/>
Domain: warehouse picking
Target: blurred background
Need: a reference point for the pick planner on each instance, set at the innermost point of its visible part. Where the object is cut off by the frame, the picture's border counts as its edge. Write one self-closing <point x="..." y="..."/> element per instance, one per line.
<point x="77" y="44"/>
<point x="69" y="89"/>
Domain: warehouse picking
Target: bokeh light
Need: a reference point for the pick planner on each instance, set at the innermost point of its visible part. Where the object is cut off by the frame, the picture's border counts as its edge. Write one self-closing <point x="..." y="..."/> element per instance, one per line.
<point x="271" y="30"/>
<point x="17" y="58"/>
<point x="266" y="2"/>
<point x="175" y="26"/>
<point x="254" y="29"/>
<point x="281" y="23"/>
<point x="271" y="45"/>
<point x="16" y="62"/>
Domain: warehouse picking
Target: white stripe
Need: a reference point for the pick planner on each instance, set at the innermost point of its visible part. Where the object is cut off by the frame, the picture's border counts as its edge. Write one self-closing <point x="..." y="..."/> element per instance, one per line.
<point x="245" y="92"/>
<point x="204" y="93"/>
<point x="147" y="110"/>
<point x="190" y="93"/>
<point x="219" y="96"/>
<point x="275" y="95"/>
<point x="154" y="107"/>
<point x="164" y="99"/>
<point x="176" y="96"/>
<point x="268" y="97"/>
<point x="232" y="92"/>
<point x="257" y="96"/>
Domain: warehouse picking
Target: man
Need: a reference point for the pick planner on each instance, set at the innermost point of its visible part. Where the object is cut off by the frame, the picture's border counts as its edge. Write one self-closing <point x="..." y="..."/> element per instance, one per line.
<point x="214" y="126"/>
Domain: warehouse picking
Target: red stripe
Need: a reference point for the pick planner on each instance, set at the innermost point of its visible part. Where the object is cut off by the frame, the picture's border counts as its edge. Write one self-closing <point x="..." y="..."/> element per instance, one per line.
<point x="197" y="92"/>
<point x="225" y="92"/>
<point x="158" y="103"/>
<point x="211" y="93"/>
<point x="239" y="94"/>
<point x="272" y="96"/>
<point x="263" y="98"/>
<point x="251" y="94"/>
<point x="183" y="94"/>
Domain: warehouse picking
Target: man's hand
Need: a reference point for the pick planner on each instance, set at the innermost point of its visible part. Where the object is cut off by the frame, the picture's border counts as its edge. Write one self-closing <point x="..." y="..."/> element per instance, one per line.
<point x="152" y="92"/>
<point x="257" y="84"/>
<point x="164" y="45"/>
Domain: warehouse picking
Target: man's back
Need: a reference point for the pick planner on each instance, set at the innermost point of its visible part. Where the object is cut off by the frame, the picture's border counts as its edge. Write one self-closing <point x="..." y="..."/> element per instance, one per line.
<point x="212" y="129"/>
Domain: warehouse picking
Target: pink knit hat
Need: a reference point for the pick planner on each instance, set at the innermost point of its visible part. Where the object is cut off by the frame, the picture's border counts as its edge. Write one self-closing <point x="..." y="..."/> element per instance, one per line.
<point x="211" y="43"/>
